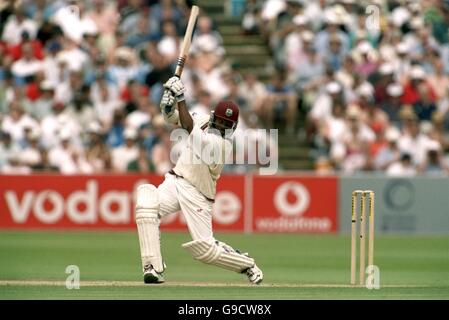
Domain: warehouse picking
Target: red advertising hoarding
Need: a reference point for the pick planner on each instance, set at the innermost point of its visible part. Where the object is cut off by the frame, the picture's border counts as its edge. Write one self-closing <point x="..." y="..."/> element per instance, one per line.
<point x="243" y="203"/>
<point x="100" y="201"/>
<point x="294" y="204"/>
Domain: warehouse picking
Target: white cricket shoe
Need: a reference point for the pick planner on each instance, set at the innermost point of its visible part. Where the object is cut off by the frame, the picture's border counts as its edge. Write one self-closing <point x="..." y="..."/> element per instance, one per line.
<point x="255" y="275"/>
<point x="152" y="276"/>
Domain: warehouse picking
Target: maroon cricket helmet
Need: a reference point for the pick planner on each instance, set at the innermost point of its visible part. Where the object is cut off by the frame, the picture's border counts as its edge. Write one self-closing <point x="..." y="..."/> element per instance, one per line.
<point x="228" y="111"/>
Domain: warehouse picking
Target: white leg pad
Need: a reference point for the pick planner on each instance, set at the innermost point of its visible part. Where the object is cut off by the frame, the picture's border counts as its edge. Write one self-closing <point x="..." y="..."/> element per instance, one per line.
<point x="147" y="220"/>
<point x="219" y="254"/>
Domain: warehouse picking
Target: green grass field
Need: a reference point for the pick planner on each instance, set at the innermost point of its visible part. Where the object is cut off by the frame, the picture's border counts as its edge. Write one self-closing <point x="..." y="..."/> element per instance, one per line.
<point x="33" y="264"/>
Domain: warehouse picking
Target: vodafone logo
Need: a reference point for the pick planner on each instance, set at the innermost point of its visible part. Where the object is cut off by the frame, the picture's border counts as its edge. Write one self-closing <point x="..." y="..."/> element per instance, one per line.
<point x="292" y="202"/>
<point x="282" y="199"/>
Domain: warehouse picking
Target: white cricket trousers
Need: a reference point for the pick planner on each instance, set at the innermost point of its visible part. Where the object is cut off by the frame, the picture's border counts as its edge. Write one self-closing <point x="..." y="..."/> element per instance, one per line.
<point x="175" y="194"/>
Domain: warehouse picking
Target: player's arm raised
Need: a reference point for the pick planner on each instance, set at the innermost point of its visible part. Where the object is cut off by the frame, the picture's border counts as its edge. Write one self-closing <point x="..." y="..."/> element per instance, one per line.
<point x="175" y="85"/>
<point x="184" y="116"/>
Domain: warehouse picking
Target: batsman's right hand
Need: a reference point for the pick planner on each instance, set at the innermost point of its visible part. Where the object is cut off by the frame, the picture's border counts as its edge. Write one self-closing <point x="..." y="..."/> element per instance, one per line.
<point x="168" y="102"/>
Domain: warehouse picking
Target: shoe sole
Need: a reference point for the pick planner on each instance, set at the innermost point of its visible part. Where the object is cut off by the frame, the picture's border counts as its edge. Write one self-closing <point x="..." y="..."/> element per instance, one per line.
<point x="149" y="278"/>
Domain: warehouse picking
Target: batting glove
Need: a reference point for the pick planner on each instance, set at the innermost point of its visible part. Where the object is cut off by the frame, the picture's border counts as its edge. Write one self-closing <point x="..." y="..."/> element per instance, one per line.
<point x="168" y="102"/>
<point x="175" y="85"/>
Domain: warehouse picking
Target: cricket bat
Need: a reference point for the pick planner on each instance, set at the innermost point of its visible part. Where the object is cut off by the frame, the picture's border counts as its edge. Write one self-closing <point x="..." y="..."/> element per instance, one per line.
<point x="184" y="52"/>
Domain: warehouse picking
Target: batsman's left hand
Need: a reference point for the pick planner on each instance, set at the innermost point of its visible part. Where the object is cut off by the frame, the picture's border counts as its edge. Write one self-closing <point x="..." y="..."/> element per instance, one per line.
<point x="168" y="102"/>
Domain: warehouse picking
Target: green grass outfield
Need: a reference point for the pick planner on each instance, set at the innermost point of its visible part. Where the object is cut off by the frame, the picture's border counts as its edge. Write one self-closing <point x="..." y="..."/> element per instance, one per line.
<point x="33" y="264"/>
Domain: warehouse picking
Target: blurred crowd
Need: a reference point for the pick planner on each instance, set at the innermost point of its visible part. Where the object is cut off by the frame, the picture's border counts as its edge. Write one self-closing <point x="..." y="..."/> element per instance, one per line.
<point x="370" y="77"/>
<point x="81" y="81"/>
<point x="365" y="83"/>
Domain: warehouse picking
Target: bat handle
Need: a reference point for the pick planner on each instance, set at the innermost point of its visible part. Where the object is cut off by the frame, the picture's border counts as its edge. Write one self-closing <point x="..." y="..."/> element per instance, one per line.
<point x="180" y="66"/>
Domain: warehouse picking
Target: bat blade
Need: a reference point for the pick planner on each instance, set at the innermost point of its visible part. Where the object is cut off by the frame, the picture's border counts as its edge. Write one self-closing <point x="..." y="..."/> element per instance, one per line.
<point x="184" y="52"/>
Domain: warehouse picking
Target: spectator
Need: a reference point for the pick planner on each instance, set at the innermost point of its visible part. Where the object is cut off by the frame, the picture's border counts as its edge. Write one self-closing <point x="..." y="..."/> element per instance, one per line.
<point x="105" y="17"/>
<point x="68" y="158"/>
<point x="123" y="155"/>
<point x="439" y="132"/>
<point x="366" y="59"/>
<point x="389" y="153"/>
<point x="234" y="95"/>
<point x="413" y="89"/>
<point x="115" y="132"/>
<point x="7" y="91"/>
<point x="16" y="121"/>
<point x="16" y="24"/>
<point x="205" y="36"/>
<point x="392" y="104"/>
<point x="14" y="166"/>
<point x="42" y="107"/>
<point x="44" y="165"/>
<point x="434" y="163"/>
<point x="345" y="75"/>
<point x="53" y="124"/>
<point x="141" y="164"/>
<point x="331" y="134"/>
<point x="16" y="51"/>
<point x="386" y="78"/>
<point x="65" y="90"/>
<point x="204" y="104"/>
<point x="293" y="45"/>
<point x="167" y="10"/>
<point x="211" y="77"/>
<point x="310" y="68"/>
<point x="103" y="81"/>
<point x="124" y="67"/>
<point x="439" y="80"/>
<point x="141" y="116"/>
<point x="403" y="62"/>
<point x="285" y="24"/>
<point x="31" y="155"/>
<point x="254" y="92"/>
<point x="8" y="149"/>
<point x="168" y="45"/>
<point x="159" y="73"/>
<point x="51" y="66"/>
<point x="402" y="168"/>
<point x="72" y="56"/>
<point x="130" y="8"/>
<point x="425" y="106"/>
<point x="97" y="152"/>
<point x="142" y="31"/>
<point x="414" y="142"/>
<point x="331" y="31"/>
<point x="28" y="65"/>
<point x="47" y="32"/>
<point x="132" y="93"/>
<point x="356" y="142"/>
<point x="335" y="54"/>
<point x="105" y="106"/>
<point x="80" y="109"/>
<point x="281" y="103"/>
<point x="251" y="17"/>
<point x="324" y="102"/>
<point x="373" y="116"/>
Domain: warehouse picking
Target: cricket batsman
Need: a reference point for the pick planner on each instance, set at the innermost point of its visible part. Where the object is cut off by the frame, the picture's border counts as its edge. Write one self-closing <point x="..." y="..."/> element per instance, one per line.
<point x="190" y="187"/>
